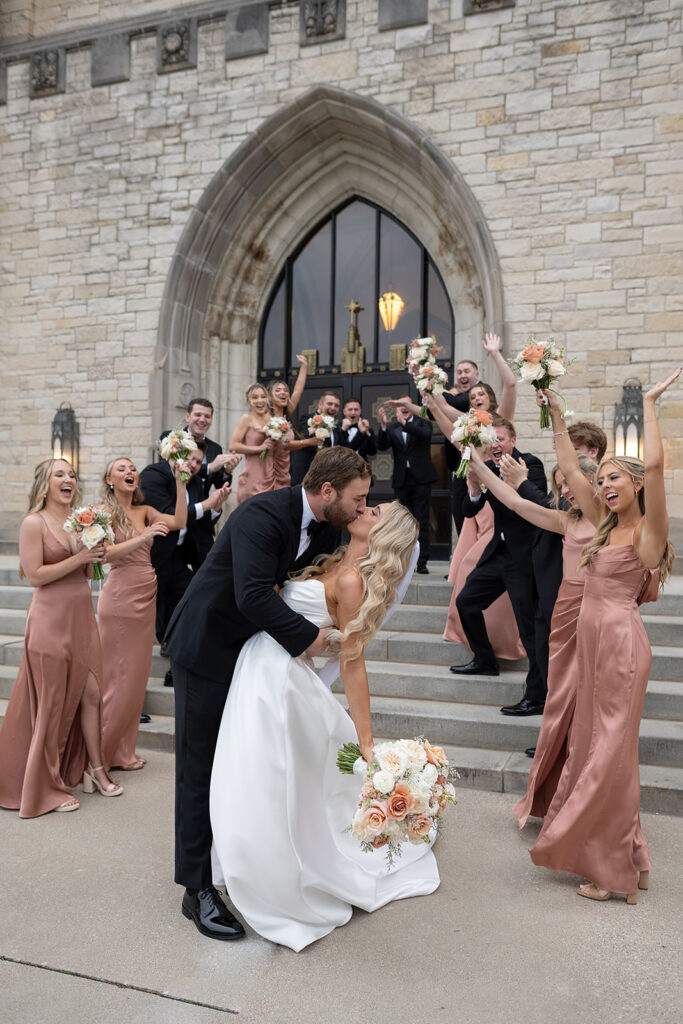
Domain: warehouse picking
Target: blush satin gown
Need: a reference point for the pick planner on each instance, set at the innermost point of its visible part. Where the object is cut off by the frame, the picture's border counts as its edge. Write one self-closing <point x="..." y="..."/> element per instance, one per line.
<point x="42" y="750"/>
<point x="280" y="807"/>
<point x="592" y="827"/>
<point x="501" y="624"/>
<point x="126" y="612"/>
<point x="256" y="475"/>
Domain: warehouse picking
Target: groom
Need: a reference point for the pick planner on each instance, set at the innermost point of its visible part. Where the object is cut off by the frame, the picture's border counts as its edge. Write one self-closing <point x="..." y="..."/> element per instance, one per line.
<point x="230" y="598"/>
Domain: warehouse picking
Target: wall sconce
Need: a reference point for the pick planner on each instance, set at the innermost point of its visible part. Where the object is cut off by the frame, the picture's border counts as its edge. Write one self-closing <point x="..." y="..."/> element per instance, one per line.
<point x="65" y="435"/>
<point x="390" y="308"/>
<point x="628" y="420"/>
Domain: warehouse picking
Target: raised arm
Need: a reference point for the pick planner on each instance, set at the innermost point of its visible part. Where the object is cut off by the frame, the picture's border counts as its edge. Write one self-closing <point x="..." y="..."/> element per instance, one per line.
<point x="349" y="594"/>
<point x="299" y="386"/>
<point x="508" y="397"/>
<point x="443" y="414"/>
<point x="653" y="530"/>
<point x="582" y="489"/>
<point x="539" y="515"/>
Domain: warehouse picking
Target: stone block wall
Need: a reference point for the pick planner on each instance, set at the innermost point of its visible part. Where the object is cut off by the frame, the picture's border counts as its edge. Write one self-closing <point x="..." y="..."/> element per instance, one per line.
<point x="565" y="120"/>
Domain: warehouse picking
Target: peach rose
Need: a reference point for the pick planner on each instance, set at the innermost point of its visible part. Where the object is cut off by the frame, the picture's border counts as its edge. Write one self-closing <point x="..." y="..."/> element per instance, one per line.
<point x="86" y="516"/>
<point x="418" y="827"/>
<point x="533" y="353"/>
<point x="435" y="755"/>
<point x="482" y="416"/>
<point x="400" y="802"/>
<point x="369" y="822"/>
<point x="380" y="841"/>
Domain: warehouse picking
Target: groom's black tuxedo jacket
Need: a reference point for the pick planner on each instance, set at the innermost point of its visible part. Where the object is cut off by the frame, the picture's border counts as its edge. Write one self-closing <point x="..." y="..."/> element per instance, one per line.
<point x="232" y="597"/>
<point x="520" y="535"/>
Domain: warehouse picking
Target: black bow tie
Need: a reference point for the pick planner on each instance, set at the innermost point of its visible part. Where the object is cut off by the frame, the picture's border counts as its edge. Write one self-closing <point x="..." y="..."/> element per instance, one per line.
<point x="314" y="527"/>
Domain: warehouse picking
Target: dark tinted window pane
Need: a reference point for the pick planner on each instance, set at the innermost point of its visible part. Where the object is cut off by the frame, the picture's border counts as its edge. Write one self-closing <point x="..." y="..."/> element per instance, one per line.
<point x="401" y="272"/>
<point x="355" y="275"/>
<point x="311" y="296"/>
<point x="274" y="332"/>
<point x="439" y="314"/>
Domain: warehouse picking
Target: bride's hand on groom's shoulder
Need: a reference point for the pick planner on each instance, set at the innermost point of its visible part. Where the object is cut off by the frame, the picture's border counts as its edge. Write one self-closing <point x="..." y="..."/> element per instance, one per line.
<point x="319" y="645"/>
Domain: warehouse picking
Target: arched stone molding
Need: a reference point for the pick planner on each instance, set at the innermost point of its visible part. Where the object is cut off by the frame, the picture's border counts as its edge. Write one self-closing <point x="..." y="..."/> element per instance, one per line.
<point x="302" y="162"/>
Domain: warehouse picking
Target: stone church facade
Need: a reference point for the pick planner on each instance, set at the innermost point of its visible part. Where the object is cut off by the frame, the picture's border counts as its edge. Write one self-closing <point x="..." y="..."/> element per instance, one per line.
<point x="160" y="163"/>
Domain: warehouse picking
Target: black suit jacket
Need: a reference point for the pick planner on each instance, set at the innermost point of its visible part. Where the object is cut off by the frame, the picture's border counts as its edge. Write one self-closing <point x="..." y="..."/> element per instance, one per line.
<point x="520" y="535"/>
<point x="364" y="444"/>
<point x="546" y="555"/>
<point x="158" y="485"/>
<point x="301" y="459"/>
<point x="209" y="480"/>
<point x="416" y="450"/>
<point x="232" y="595"/>
<point x="460" y="402"/>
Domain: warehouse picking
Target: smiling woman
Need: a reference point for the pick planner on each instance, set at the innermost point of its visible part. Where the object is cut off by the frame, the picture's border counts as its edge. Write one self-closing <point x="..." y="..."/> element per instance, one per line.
<point x="127" y="606"/>
<point x="52" y="724"/>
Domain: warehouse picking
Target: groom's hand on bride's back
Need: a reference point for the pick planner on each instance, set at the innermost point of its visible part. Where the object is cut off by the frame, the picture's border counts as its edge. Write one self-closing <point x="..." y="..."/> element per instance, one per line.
<point x="319" y="645"/>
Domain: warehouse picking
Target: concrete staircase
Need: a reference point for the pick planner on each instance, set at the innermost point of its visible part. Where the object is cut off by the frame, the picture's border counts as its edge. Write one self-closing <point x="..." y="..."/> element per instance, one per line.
<point x="413" y="692"/>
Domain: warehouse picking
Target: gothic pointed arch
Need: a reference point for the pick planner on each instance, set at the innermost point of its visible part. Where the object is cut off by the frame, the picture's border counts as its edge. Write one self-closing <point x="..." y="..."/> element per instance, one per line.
<point x="304" y="160"/>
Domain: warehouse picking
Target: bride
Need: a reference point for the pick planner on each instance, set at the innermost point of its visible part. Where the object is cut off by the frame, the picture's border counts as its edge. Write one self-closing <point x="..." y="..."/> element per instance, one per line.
<point x="279" y="805"/>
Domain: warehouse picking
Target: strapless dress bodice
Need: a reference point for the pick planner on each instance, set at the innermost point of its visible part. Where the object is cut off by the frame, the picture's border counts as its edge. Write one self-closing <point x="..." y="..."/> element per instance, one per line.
<point x="307" y="597"/>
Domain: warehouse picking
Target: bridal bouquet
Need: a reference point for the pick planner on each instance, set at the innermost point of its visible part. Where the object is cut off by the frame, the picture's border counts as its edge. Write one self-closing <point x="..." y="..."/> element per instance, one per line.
<point x="276" y="427"/>
<point x="92" y="525"/>
<point x="407" y="787"/>
<point x="540" y="363"/>
<point x="472" y="428"/>
<point x="429" y="378"/>
<point x="178" y="446"/>
<point x="321" y="426"/>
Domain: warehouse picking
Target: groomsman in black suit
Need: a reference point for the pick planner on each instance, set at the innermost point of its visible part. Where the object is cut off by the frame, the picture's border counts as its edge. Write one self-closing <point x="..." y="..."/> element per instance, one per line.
<point x="505" y="565"/>
<point x="409" y="437"/>
<point x="466" y="376"/>
<point x="231" y="598"/>
<point x="216" y="466"/>
<point x="179" y="553"/>
<point x="301" y="459"/>
<point x="360" y="435"/>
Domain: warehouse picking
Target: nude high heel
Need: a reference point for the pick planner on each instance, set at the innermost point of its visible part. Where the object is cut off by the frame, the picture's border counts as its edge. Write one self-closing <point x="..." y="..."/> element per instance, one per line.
<point x="592" y="892"/>
<point x="643" y="879"/>
<point x="91" y="783"/>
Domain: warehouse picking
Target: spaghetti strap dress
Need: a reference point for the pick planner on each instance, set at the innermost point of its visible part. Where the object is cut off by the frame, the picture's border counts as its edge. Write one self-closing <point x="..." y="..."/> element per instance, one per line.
<point x="501" y="625"/>
<point x="280" y="456"/>
<point x="593" y="825"/>
<point x="126" y="611"/>
<point x="551" y="747"/>
<point x="42" y="750"/>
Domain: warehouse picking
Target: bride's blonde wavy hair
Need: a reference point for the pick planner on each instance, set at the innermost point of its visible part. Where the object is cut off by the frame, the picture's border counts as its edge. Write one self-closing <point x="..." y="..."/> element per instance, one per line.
<point x="390" y="549"/>
<point x="636" y="470"/>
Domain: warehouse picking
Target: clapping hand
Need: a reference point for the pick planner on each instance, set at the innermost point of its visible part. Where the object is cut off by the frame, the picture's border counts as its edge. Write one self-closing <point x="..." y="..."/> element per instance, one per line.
<point x="513" y="473"/>
<point x="231" y="461"/>
<point x="660" y="387"/>
<point x="382" y="417"/>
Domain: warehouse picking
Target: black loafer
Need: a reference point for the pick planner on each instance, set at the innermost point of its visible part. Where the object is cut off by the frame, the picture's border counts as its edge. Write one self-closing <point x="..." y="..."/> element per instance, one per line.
<point x="524" y="707"/>
<point x="422" y="569"/>
<point x="168" y="678"/>
<point x="476" y="668"/>
<point x="530" y="751"/>
<point x="210" y="914"/>
<point x="144" y="719"/>
<point x="162" y="651"/>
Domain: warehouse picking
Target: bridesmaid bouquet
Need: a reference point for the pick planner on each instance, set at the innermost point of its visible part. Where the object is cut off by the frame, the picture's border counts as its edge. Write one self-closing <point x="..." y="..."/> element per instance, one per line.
<point x="406" y="790"/>
<point x="178" y="446"/>
<point x="92" y="525"/>
<point x="429" y="378"/>
<point x="276" y="427"/>
<point x="472" y="428"/>
<point x="321" y="426"/>
<point x="540" y="363"/>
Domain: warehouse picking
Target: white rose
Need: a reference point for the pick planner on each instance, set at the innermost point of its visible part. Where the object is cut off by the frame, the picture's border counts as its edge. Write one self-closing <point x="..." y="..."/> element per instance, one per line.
<point x="531" y="371"/>
<point x="555" y="368"/>
<point x="391" y="759"/>
<point x="92" y="536"/>
<point x="458" y="435"/>
<point x="429" y="774"/>
<point x="415" y="752"/>
<point x="383" y="781"/>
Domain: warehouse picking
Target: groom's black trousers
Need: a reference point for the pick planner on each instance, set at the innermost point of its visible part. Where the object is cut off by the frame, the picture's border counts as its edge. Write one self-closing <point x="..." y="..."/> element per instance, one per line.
<point x="199" y="704"/>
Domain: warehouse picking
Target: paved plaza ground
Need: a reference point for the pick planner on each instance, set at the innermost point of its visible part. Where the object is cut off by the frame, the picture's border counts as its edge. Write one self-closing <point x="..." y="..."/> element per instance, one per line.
<point x="91" y="932"/>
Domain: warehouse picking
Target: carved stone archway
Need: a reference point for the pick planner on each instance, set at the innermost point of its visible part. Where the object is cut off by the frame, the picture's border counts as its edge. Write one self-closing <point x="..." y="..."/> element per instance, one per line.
<point x="323" y="148"/>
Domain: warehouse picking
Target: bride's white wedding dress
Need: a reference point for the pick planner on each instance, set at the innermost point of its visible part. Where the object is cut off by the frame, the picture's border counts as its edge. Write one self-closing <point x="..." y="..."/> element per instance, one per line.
<point x="279" y="805"/>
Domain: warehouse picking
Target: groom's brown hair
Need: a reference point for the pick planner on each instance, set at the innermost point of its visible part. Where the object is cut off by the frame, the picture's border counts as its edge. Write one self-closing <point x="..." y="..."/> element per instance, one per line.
<point x="337" y="466"/>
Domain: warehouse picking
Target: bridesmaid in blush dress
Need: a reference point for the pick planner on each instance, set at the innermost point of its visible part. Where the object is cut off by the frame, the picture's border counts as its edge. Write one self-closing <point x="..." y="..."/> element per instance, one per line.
<point x="284" y="404"/>
<point x="53" y="716"/>
<point x="593" y="825"/>
<point x="249" y="439"/>
<point x="127" y="607"/>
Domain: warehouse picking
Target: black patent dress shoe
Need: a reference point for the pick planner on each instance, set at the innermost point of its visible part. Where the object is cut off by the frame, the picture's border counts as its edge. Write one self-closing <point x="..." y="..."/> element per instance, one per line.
<point x="530" y="751"/>
<point x="144" y="719"/>
<point x="163" y="652"/>
<point x="422" y="569"/>
<point x="476" y="668"/>
<point x="168" y="678"/>
<point x="524" y="707"/>
<point x="210" y="914"/>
